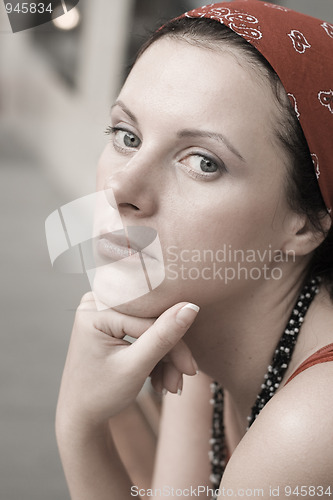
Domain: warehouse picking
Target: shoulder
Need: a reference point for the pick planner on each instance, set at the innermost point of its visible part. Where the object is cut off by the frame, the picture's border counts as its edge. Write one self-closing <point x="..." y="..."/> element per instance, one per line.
<point x="290" y="444"/>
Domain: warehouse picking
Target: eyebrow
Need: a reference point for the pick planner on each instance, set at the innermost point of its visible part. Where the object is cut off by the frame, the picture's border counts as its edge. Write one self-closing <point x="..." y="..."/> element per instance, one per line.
<point x="188" y="132"/>
<point x="211" y="135"/>
<point x="126" y="110"/>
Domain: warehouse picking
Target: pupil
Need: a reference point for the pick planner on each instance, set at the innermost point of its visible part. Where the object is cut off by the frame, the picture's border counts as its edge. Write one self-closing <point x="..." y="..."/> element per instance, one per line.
<point x="207" y="166"/>
<point x="129" y="140"/>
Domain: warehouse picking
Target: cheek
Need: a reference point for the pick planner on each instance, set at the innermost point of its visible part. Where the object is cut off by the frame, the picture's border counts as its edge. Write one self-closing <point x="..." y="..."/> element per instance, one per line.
<point x="243" y="218"/>
<point x="103" y="168"/>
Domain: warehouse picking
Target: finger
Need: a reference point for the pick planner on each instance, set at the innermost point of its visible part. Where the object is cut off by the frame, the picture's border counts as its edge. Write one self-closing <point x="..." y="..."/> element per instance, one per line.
<point x="118" y="325"/>
<point x="156" y="377"/>
<point x="162" y="336"/>
<point x="182" y="358"/>
<point x="87" y="297"/>
<point x="111" y="322"/>
<point x="165" y="377"/>
<point x="172" y="379"/>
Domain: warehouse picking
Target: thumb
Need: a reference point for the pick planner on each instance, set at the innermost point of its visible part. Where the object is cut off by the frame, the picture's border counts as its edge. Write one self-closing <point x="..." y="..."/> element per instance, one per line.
<point x="162" y="336"/>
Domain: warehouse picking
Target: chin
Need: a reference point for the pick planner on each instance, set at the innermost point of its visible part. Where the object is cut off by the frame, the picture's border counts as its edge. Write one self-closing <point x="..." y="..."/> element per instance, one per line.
<point x="134" y="299"/>
<point x="127" y="293"/>
<point x="139" y="310"/>
<point x="150" y="305"/>
<point x="134" y="285"/>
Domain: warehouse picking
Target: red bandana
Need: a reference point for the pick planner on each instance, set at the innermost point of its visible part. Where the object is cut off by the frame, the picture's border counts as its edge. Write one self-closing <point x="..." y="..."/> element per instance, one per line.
<point x="300" y="49"/>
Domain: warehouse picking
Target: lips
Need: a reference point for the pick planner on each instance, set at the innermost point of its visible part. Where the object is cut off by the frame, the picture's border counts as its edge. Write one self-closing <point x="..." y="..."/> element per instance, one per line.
<point x="124" y="243"/>
<point x="114" y="247"/>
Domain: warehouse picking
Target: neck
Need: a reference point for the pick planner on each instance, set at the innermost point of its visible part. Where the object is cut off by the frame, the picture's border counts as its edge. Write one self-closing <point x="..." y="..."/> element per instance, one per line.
<point x="242" y="336"/>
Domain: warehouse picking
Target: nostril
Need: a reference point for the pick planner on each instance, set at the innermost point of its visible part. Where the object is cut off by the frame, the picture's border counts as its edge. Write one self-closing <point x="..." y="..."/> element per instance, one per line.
<point x="128" y="205"/>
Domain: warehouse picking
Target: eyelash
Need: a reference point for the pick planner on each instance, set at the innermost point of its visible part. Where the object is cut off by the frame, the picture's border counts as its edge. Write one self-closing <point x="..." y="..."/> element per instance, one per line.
<point x="110" y="130"/>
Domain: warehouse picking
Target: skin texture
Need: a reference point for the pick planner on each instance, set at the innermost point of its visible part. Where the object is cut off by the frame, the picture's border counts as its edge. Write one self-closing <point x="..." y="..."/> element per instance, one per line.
<point x="158" y="184"/>
<point x="154" y="165"/>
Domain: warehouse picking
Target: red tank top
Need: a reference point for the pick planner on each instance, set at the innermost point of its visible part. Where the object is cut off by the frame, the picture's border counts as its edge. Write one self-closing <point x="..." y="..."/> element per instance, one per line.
<point x="323" y="355"/>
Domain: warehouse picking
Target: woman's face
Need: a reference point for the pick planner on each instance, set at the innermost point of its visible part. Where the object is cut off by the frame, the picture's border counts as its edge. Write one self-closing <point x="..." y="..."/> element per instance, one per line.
<point x="192" y="156"/>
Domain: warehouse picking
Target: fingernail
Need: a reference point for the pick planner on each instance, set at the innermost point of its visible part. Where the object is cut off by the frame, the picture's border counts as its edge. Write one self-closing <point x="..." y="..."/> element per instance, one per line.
<point x="180" y="386"/>
<point x="164" y="391"/>
<point x="195" y="366"/>
<point x="186" y="314"/>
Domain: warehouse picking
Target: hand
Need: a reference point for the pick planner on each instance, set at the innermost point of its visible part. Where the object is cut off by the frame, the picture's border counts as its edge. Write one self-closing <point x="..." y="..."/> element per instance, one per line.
<point x="104" y="373"/>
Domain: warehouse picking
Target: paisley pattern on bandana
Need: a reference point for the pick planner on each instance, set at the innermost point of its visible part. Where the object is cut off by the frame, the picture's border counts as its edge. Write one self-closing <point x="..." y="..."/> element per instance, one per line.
<point x="240" y="22"/>
<point x="316" y="164"/>
<point x="273" y="6"/>
<point x="326" y="99"/>
<point x="299" y="41"/>
<point x="299" y="48"/>
<point x="328" y="28"/>
<point x="293" y="102"/>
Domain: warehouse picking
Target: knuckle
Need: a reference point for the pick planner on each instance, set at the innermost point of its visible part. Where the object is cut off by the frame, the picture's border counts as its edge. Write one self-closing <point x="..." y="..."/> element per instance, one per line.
<point x="87" y="297"/>
<point x="85" y="306"/>
<point x="87" y="302"/>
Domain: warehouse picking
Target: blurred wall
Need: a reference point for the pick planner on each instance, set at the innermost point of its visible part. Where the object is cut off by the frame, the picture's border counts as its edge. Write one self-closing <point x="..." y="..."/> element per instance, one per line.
<point x="66" y="125"/>
<point x="323" y="9"/>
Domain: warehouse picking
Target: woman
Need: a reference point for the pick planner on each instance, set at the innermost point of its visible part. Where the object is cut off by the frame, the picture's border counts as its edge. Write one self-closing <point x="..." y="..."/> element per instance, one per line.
<point x="207" y="150"/>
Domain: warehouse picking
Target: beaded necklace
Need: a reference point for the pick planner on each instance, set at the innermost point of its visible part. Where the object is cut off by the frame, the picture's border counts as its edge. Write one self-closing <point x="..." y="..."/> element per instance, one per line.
<point x="272" y="379"/>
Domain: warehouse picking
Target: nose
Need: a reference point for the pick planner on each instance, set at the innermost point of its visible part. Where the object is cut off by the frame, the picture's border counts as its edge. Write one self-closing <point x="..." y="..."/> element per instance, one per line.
<point x="134" y="189"/>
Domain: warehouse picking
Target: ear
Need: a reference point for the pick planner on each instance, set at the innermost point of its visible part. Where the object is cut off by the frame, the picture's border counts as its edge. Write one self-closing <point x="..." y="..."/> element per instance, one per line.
<point x="301" y="237"/>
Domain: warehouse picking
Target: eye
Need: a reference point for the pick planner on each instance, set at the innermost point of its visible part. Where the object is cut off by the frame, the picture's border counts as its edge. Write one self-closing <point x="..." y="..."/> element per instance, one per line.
<point x="123" y="139"/>
<point x="205" y="164"/>
<point x="199" y="165"/>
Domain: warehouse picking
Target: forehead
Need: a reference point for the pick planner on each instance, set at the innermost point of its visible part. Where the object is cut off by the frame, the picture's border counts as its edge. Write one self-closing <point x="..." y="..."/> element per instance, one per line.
<point x="191" y="80"/>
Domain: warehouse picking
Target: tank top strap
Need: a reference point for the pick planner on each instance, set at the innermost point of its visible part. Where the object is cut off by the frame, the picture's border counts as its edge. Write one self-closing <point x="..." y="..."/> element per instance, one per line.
<point x="323" y="355"/>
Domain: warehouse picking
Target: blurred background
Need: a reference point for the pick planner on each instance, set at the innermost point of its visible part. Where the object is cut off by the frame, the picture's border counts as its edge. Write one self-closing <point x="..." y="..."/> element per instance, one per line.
<point x="57" y="83"/>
